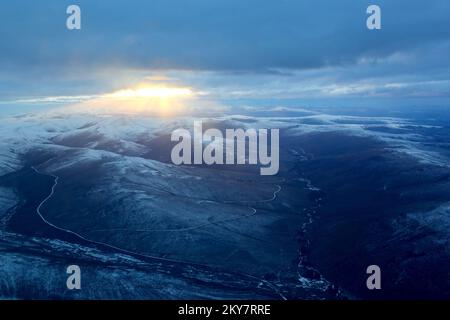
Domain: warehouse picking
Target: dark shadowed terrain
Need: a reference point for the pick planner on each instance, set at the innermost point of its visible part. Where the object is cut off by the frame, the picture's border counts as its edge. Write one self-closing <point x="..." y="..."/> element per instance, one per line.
<point x="101" y="193"/>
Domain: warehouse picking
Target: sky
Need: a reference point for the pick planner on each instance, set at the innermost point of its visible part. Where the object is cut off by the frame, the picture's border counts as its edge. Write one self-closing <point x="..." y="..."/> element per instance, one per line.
<point x="236" y="51"/>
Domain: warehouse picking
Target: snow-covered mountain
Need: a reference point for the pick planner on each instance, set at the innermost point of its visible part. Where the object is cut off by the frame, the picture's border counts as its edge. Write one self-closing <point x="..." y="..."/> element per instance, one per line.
<point x="100" y="190"/>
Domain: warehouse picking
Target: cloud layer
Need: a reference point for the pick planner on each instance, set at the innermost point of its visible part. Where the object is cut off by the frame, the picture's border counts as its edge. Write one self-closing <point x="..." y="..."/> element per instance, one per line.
<point x="291" y="48"/>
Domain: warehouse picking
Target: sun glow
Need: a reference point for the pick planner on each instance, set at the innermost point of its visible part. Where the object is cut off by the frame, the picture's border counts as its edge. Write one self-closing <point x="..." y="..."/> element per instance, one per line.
<point x="152" y="92"/>
<point x="154" y="99"/>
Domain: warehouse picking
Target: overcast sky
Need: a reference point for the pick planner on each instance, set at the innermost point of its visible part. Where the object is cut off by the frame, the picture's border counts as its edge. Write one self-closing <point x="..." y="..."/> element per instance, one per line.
<point x="230" y="49"/>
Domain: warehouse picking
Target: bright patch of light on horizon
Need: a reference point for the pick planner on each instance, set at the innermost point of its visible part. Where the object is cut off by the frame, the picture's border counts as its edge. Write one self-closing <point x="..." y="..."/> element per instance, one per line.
<point x="152" y="92"/>
<point x="159" y="99"/>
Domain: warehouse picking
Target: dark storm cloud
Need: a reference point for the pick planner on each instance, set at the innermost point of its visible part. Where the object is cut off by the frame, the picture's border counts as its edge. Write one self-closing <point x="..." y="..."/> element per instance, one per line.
<point x="230" y="36"/>
<point x="215" y="35"/>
